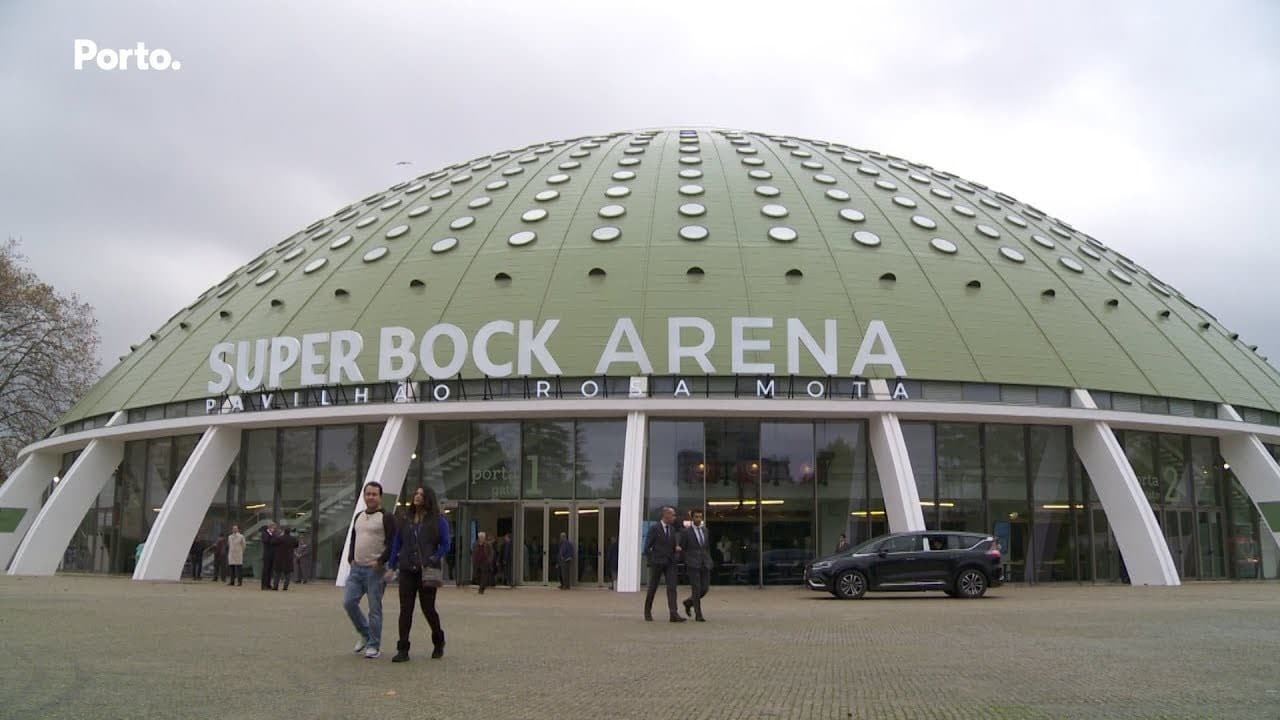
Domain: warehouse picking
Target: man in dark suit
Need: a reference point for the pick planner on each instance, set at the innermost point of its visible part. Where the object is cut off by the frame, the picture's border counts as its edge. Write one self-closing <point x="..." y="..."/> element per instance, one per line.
<point x="565" y="556"/>
<point x="661" y="549"/>
<point x="696" y="544"/>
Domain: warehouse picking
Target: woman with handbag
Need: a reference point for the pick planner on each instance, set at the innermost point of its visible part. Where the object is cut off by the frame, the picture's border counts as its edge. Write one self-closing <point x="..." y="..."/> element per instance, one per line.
<point x="421" y="542"/>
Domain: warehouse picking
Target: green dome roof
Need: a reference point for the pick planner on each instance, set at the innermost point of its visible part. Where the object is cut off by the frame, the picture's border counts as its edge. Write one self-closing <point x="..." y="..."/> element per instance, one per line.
<point x="973" y="284"/>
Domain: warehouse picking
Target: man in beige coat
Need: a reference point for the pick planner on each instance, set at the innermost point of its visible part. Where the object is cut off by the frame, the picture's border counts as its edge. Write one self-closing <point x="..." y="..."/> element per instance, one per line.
<point x="235" y="556"/>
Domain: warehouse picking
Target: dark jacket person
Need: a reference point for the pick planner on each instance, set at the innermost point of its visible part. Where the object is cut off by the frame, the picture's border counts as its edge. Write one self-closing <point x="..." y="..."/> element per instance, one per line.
<point x="282" y="559"/>
<point x="661" y="548"/>
<point x="422" y="541"/>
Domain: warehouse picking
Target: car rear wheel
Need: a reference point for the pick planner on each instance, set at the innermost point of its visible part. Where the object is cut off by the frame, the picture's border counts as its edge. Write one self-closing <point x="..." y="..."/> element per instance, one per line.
<point x="971" y="584"/>
<point x="851" y="585"/>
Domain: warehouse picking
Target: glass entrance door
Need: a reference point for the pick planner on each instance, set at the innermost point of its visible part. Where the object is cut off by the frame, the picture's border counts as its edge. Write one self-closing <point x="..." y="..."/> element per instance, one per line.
<point x="592" y="527"/>
<point x="1209" y="534"/>
<point x="495" y="520"/>
<point x="533" y="542"/>
<point x="588" y="544"/>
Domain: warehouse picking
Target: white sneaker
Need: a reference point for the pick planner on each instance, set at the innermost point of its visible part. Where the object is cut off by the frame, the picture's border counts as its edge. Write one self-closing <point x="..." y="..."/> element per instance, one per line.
<point x="359" y="648"/>
<point x="372" y="653"/>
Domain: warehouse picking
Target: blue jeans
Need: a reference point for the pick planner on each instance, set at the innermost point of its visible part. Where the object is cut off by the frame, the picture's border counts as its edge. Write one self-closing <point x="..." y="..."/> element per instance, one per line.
<point x="360" y="582"/>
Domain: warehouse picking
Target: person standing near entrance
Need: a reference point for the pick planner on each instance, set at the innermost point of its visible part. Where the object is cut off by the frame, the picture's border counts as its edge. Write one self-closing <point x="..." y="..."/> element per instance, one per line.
<point x="482" y="561"/>
<point x="696" y="542"/>
<point x="611" y="561"/>
<point x="372" y="532"/>
<point x="660" y="550"/>
<point x="421" y="542"/>
<point x="235" y="557"/>
<point x="842" y="543"/>
<point x="565" y="557"/>
<point x="302" y="559"/>
<point x="268" y="538"/>
<point x="219" y="559"/>
<point x="505" y="558"/>
<point x="197" y="557"/>
<point x="282" y="559"/>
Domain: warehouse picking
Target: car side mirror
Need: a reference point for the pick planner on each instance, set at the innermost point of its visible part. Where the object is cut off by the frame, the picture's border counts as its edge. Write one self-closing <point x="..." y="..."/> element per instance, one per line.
<point x="882" y="553"/>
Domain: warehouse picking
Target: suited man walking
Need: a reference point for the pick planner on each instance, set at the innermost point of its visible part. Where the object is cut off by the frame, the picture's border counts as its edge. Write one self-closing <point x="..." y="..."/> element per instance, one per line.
<point x="565" y="557"/>
<point x="696" y="543"/>
<point x="661" y="548"/>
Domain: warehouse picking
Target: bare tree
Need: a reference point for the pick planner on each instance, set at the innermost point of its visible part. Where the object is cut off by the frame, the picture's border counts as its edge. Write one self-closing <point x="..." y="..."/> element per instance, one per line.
<point x="48" y="354"/>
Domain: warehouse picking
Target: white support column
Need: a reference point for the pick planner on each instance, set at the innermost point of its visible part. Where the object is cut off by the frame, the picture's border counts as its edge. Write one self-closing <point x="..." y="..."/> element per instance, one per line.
<point x="21" y="494"/>
<point x="1256" y="470"/>
<point x="635" y="453"/>
<point x="893" y="465"/>
<point x="46" y="541"/>
<point x="184" y="509"/>
<point x="388" y="467"/>
<point x="1142" y="545"/>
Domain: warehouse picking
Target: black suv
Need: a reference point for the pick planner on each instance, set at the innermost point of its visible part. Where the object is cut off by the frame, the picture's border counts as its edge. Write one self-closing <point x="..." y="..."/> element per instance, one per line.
<point x="960" y="564"/>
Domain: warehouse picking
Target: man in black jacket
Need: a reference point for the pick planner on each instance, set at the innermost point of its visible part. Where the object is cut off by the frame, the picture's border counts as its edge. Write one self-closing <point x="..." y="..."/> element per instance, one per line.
<point x="661" y="550"/>
<point x="268" y="539"/>
<point x="696" y="542"/>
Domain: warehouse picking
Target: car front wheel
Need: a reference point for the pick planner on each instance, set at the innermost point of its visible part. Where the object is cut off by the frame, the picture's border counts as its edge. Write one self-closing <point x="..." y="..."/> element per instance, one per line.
<point x="971" y="584"/>
<point x="851" y="585"/>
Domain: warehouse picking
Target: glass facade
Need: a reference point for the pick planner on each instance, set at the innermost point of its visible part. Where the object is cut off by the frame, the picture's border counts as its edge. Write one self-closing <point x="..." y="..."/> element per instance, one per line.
<point x="1011" y="481"/>
<point x="776" y="494"/>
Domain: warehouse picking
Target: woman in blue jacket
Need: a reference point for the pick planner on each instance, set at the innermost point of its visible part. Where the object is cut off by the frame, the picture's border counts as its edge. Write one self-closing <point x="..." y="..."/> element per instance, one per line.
<point x="422" y="541"/>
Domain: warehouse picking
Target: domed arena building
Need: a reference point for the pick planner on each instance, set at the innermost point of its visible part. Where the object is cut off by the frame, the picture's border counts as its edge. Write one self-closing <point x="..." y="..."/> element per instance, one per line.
<point x="804" y="338"/>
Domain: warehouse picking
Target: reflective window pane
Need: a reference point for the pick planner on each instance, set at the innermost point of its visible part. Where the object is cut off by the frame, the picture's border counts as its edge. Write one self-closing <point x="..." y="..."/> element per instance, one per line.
<point x="444" y="453"/>
<point x="843" y="503"/>
<point x="495" y="461"/>
<point x="732" y="487"/>
<point x="958" y="504"/>
<point x="598" y="458"/>
<point x="1009" y="508"/>
<point x="337" y="488"/>
<point x="1055" y="555"/>
<point x="548" y="459"/>
<point x="786" y="500"/>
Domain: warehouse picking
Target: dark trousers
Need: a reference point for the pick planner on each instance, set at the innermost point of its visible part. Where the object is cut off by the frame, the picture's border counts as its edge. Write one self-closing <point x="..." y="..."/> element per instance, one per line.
<point x="196" y="562"/>
<point x="234" y="577"/>
<point x="484" y="577"/>
<point x="219" y="569"/>
<point x="410" y="588"/>
<point x="566" y="573"/>
<point x="267" y="569"/>
<point x="279" y="575"/>
<point x="657" y="573"/>
<point x="699" y="583"/>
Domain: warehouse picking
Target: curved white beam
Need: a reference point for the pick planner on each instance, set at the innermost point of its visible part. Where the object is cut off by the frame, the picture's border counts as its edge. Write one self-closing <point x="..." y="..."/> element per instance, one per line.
<point x="635" y="449"/>
<point x="388" y="467"/>
<point x="1142" y="544"/>
<point x="22" y="493"/>
<point x="893" y="465"/>
<point x="44" y="544"/>
<point x="1256" y="470"/>
<point x="169" y="542"/>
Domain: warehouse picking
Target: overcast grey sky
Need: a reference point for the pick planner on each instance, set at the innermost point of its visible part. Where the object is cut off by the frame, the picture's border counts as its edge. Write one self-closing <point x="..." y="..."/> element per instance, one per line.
<point x="1152" y="126"/>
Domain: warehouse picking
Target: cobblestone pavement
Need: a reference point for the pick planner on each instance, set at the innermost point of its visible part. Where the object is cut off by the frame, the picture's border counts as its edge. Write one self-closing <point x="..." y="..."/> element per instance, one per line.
<point x="95" y="647"/>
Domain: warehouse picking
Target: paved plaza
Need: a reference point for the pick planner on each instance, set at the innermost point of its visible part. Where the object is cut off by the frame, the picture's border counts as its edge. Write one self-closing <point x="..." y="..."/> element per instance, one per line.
<point x="95" y="647"/>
